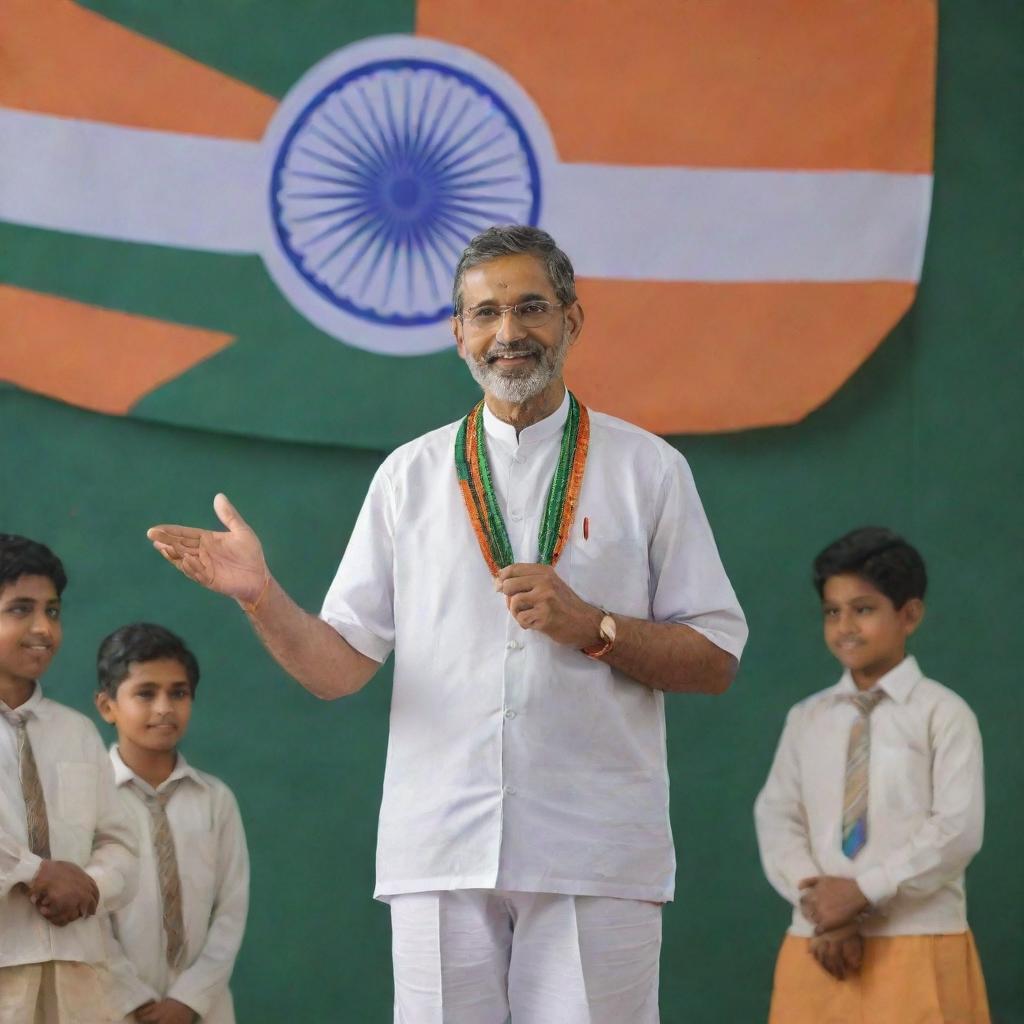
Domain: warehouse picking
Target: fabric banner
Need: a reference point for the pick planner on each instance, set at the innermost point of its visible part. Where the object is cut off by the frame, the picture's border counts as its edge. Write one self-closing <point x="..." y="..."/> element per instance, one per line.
<point x="246" y="219"/>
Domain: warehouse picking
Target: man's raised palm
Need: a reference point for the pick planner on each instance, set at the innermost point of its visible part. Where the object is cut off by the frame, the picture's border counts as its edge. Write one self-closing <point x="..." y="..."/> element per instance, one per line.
<point x="230" y="562"/>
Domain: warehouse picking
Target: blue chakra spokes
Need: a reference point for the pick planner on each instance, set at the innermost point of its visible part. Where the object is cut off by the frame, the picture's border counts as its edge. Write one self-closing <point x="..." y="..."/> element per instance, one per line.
<point x="386" y="175"/>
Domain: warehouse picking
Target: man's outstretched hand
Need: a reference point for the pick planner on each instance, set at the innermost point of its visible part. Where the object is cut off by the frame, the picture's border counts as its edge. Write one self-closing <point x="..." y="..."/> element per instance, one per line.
<point x="229" y="562"/>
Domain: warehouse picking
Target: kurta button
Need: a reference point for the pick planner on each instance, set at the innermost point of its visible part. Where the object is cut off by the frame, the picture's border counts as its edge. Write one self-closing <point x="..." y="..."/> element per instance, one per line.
<point x="510" y="791"/>
<point x="509" y="713"/>
<point x="515" y="515"/>
<point x="513" y="645"/>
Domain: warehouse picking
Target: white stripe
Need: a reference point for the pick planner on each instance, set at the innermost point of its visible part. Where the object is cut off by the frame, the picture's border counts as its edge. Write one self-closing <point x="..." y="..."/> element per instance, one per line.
<point x="184" y="191"/>
<point x="649" y="223"/>
<point x="638" y="223"/>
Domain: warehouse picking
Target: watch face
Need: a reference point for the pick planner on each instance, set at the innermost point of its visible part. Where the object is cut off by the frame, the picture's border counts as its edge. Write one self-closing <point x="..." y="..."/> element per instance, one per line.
<point x="608" y="628"/>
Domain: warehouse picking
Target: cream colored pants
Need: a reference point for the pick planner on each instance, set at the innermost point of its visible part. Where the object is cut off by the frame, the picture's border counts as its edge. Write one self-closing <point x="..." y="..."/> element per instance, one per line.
<point x="56" y="992"/>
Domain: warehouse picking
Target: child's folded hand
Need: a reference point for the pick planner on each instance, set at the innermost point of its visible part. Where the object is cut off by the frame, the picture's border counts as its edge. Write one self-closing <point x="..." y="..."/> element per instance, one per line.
<point x="840" y="951"/>
<point x="829" y="902"/>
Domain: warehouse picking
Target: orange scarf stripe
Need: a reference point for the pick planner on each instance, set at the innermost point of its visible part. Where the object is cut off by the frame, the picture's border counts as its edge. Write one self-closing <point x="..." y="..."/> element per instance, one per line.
<point x="481" y="538"/>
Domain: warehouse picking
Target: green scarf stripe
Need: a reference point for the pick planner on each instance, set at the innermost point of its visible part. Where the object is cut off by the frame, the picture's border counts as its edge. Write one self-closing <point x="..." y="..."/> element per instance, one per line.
<point x="559" y="484"/>
<point x="552" y="507"/>
<point x="501" y="547"/>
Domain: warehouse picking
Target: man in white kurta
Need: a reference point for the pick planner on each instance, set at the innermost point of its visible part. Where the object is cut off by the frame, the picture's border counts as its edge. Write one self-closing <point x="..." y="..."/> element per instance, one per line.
<point x="524" y="840"/>
<point x="515" y="762"/>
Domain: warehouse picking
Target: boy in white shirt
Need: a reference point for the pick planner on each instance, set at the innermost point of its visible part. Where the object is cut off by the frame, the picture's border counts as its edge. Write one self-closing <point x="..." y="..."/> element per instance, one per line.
<point x="872" y="811"/>
<point x="67" y="848"/>
<point x="173" y="949"/>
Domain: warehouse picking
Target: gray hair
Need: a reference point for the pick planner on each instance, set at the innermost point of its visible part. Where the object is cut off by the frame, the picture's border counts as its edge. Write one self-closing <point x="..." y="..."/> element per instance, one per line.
<point x="514" y="240"/>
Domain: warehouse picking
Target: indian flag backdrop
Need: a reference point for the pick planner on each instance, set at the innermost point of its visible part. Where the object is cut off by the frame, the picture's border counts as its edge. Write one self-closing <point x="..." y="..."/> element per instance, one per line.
<point x="244" y="217"/>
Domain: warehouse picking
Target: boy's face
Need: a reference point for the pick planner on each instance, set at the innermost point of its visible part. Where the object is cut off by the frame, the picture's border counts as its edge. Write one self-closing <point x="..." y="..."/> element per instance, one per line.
<point x="863" y="629"/>
<point x="152" y="707"/>
<point x="30" y="630"/>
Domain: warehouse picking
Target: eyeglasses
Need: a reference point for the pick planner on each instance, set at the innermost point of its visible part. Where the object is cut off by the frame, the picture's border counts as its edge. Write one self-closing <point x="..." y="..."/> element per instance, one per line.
<point x="532" y="313"/>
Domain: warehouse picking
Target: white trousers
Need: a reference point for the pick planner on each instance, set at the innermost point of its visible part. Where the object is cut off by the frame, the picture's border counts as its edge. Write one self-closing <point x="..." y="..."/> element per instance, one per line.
<point x="56" y="992"/>
<point x="477" y="956"/>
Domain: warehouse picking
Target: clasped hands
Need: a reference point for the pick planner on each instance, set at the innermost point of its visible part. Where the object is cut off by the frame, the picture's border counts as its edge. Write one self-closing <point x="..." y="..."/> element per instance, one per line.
<point x="834" y="905"/>
<point x="62" y="892"/>
<point x="165" y="1011"/>
<point x="538" y="598"/>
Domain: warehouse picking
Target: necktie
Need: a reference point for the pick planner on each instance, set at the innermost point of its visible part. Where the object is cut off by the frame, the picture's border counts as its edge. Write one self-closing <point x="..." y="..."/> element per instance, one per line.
<point x="167" y="872"/>
<point x="858" y="756"/>
<point x="32" y="789"/>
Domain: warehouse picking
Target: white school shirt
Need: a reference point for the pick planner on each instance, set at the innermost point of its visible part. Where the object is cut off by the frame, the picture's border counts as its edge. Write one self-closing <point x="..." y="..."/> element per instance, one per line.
<point x="926" y="803"/>
<point x="88" y="827"/>
<point x="515" y="762"/>
<point x="213" y="864"/>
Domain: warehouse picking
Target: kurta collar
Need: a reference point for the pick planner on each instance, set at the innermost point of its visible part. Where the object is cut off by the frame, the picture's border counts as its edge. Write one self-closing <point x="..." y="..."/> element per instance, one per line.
<point x="182" y="770"/>
<point x="505" y="433"/>
<point x="898" y="683"/>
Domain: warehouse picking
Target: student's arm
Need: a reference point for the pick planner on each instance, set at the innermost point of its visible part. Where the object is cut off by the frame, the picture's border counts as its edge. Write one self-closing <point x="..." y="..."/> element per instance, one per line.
<point x="780" y="819"/>
<point x="114" y="863"/>
<point x="946" y="841"/>
<point x="126" y="991"/>
<point x="231" y="562"/>
<point x="200" y="985"/>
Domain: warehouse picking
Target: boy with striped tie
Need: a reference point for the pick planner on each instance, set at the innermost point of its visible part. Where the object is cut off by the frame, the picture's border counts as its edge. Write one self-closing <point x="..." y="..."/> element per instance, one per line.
<point x="173" y="949"/>
<point x="68" y="851"/>
<point x="872" y="810"/>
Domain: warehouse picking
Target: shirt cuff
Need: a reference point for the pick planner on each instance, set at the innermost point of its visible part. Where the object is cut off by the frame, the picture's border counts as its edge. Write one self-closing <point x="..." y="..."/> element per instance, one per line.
<point x="362" y="640"/>
<point x="876" y="886"/>
<point x="197" y="1000"/>
<point x="26" y="870"/>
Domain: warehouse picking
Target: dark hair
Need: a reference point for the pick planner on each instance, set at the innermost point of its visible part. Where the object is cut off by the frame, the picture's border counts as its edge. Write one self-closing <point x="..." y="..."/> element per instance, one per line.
<point x="20" y="556"/>
<point x="140" y="642"/>
<point x="515" y="240"/>
<point x="877" y="555"/>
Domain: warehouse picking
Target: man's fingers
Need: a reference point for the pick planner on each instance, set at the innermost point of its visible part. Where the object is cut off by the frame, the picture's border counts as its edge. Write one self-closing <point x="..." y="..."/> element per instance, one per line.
<point x="228" y="514"/>
<point x="807" y="883"/>
<point x="175" y="536"/>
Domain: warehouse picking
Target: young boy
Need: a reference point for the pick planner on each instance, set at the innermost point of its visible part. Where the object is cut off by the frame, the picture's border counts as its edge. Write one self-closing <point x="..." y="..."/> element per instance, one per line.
<point x="67" y="848"/>
<point x="174" y="947"/>
<point x="872" y="810"/>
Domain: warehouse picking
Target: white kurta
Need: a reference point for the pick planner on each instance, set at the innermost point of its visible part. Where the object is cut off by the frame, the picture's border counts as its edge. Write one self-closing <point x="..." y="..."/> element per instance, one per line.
<point x="213" y="864"/>
<point x="926" y="803"/>
<point x="515" y="762"/>
<point x="88" y="826"/>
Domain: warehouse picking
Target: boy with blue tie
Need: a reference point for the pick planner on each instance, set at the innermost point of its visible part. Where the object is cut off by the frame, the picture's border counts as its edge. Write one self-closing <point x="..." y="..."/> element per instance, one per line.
<point x="872" y="811"/>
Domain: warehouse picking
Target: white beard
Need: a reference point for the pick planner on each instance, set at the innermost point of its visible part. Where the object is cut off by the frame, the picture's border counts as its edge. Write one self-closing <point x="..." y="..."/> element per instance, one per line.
<point x="519" y="384"/>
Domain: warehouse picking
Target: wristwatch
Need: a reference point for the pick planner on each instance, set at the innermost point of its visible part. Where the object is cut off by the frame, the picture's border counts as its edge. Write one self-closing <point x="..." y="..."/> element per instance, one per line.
<point x="607" y="641"/>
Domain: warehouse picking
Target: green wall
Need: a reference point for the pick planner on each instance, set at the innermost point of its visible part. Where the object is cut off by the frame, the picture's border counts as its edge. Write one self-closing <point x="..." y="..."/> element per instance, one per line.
<point x="926" y="438"/>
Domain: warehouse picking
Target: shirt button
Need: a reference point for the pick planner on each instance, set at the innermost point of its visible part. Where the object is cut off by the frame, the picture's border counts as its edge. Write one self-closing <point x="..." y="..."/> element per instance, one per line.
<point x="509" y="713"/>
<point x="513" y="645"/>
<point x="515" y="515"/>
<point x="510" y="791"/>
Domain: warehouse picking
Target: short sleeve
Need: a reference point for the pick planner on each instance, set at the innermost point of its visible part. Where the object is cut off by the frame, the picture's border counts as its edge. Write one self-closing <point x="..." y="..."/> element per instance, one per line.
<point x="360" y="603"/>
<point x="688" y="580"/>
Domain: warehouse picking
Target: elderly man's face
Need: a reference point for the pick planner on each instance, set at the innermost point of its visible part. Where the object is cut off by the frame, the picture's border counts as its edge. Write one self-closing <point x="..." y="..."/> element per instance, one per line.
<point x="508" y="359"/>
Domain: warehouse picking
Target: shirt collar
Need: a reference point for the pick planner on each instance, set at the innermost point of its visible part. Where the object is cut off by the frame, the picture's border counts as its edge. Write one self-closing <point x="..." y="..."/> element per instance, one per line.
<point x="505" y="433"/>
<point x="182" y="770"/>
<point x="897" y="683"/>
<point x="30" y="708"/>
